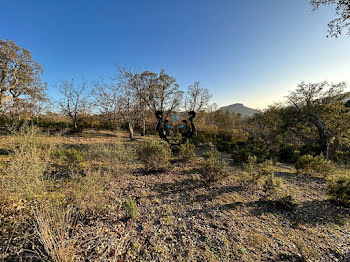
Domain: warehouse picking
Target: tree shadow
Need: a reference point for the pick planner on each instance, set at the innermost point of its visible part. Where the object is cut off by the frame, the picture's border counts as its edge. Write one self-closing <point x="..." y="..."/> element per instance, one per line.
<point x="314" y="212"/>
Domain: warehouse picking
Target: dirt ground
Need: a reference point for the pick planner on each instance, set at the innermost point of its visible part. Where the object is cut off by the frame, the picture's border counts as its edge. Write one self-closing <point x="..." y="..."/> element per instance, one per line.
<point x="182" y="218"/>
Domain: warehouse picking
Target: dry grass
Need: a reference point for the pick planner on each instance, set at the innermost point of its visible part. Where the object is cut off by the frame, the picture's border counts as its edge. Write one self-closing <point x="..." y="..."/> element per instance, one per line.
<point x="110" y="208"/>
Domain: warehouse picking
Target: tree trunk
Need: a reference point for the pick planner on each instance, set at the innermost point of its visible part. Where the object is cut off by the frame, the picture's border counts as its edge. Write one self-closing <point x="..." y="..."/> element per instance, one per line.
<point x="131" y="131"/>
<point x="143" y="128"/>
<point x="324" y="134"/>
<point x="75" y="124"/>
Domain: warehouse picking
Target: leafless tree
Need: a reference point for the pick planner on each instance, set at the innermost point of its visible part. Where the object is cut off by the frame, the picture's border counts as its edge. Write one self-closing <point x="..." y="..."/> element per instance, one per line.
<point x="106" y="99"/>
<point x="197" y="98"/>
<point x="127" y="98"/>
<point x="75" y="100"/>
<point x="342" y="10"/>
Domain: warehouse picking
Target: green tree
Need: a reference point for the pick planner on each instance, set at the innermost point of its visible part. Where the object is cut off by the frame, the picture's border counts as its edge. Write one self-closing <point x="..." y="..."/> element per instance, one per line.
<point x="20" y="79"/>
<point x="321" y="106"/>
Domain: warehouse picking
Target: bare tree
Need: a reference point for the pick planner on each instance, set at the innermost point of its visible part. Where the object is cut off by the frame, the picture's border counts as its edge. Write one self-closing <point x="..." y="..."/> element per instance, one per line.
<point x="106" y="99"/>
<point x="127" y="99"/>
<point x="197" y="98"/>
<point x="75" y="100"/>
<point x="342" y="10"/>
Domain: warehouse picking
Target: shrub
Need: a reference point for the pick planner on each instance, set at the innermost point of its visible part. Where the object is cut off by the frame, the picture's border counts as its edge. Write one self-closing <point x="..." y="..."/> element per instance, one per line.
<point x="131" y="207"/>
<point x="213" y="153"/>
<point x="339" y="189"/>
<point x="55" y="227"/>
<point x="114" y="157"/>
<point x="154" y="155"/>
<point x="275" y="192"/>
<point x="24" y="175"/>
<point x="254" y="173"/>
<point x="70" y="155"/>
<point x="213" y="169"/>
<point x="187" y="151"/>
<point x="89" y="193"/>
<point x="314" y="165"/>
<point x="241" y="151"/>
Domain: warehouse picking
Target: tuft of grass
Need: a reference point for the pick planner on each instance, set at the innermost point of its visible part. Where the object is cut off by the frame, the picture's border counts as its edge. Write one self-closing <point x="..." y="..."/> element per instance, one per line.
<point x="56" y="228"/>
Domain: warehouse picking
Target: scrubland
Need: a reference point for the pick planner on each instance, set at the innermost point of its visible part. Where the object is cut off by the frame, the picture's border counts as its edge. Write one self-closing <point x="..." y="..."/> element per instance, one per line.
<point x="96" y="196"/>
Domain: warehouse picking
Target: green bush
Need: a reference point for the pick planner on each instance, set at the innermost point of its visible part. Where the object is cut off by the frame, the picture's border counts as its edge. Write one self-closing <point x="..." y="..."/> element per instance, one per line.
<point x="187" y="151"/>
<point x="314" y="165"/>
<point x="213" y="169"/>
<point x="70" y="155"/>
<point x="154" y="155"/>
<point x="213" y="153"/>
<point x="339" y="189"/>
<point x="241" y="151"/>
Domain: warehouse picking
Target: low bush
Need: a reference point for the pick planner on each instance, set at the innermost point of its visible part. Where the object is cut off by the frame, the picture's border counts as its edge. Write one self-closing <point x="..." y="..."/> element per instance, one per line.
<point x="254" y="173"/>
<point x="213" y="169"/>
<point x="89" y="193"/>
<point x="241" y="151"/>
<point x="187" y="151"/>
<point x="154" y="155"/>
<point x="314" y="165"/>
<point x="71" y="155"/>
<point x="114" y="157"/>
<point x="213" y="153"/>
<point x="339" y="189"/>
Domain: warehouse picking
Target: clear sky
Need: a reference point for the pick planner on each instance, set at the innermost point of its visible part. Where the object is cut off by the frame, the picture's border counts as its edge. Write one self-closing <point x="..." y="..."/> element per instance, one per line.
<point x="243" y="51"/>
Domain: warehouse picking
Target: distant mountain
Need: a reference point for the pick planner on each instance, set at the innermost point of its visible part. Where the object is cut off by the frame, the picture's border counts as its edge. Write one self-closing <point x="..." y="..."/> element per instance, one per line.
<point x="240" y="109"/>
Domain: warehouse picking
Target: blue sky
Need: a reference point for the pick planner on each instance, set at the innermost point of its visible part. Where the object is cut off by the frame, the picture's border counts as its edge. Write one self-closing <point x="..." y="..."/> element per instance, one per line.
<point x="243" y="51"/>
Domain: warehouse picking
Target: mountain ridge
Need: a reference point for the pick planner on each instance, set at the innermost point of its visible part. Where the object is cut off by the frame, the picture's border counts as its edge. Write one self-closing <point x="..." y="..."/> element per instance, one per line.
<point x="239" y="108"/>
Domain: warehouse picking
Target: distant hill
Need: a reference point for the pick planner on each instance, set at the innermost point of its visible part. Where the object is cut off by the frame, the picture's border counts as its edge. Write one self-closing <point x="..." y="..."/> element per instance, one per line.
<point x="239" y="109"/>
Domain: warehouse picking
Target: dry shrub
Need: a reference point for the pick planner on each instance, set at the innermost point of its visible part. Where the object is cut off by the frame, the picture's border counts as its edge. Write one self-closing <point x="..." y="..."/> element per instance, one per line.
<point x="254" y="174"/>
<point x="24" y="175"/>
<point x="89" y="193"/>
<point x="154" y="155"/>
<point x="56" y="226"/>
<point x="114" y="157"/>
